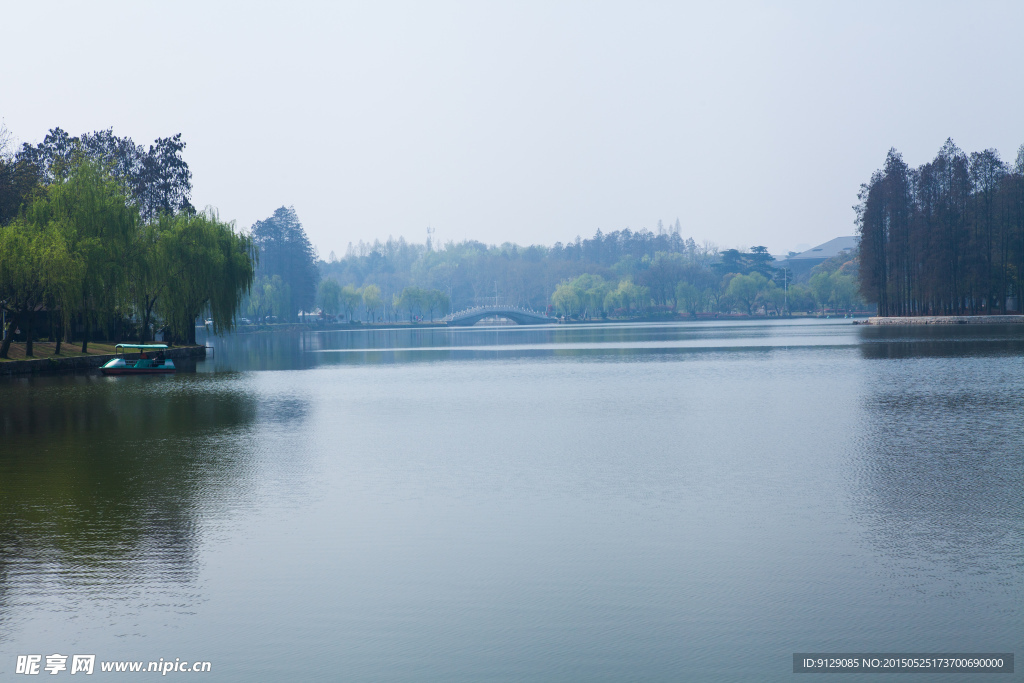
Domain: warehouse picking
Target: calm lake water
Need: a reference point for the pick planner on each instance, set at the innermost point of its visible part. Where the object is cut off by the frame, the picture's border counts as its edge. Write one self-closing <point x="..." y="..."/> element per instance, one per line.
<point x="685" y="502"/>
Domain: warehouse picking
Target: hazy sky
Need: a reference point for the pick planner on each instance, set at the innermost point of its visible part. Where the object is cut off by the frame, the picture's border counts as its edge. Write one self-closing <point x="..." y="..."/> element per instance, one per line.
<point x="753" y="123"/>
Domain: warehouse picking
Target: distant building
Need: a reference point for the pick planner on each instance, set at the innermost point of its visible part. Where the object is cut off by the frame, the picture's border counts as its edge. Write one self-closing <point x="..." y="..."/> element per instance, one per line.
<point x="801" y="264"/>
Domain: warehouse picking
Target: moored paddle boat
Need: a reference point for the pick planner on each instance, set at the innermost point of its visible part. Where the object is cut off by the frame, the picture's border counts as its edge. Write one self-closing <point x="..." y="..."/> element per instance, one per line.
<point x="151" y="361"/>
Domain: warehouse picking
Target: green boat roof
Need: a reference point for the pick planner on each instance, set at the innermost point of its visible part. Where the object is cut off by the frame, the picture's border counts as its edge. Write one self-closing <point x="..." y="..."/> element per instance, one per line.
<point x="141" y="346"/>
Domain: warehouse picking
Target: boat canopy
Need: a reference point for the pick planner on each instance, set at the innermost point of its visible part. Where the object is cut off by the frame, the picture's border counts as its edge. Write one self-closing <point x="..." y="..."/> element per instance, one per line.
<point x="142" y="346"/>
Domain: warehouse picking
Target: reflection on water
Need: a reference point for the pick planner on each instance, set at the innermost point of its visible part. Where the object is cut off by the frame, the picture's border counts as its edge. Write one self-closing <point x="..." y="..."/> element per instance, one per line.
<point x="99" y="483"/>
<point x="943" y="478"/>
<point x="582" y="502"/>
<point x="299" y="350"/>
<point x="941" y="341"/>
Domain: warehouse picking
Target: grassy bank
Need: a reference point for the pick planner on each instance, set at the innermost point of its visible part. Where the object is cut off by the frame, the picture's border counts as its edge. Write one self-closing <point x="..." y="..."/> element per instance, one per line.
<point x="44" y="361"/>
<point x="46" y="350"/>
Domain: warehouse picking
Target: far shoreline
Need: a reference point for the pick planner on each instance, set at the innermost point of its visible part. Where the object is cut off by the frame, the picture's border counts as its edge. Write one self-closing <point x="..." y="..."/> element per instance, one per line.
<point x="944" y="320"/>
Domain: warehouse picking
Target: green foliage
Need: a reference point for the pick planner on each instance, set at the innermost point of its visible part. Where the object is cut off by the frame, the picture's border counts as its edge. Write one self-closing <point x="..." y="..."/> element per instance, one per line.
<point x="350" y="298"/>
<point x="628" y="297"/>
<point x="688" y="297"/>
<point x="80" y="248"/>
<point x="157" y="180"/>
<point x="471" y="272"/>
<point x="821" y="288"/>
<point x="435" y="301"/>
<point x="98" y="225"/>
<point x="211" y="267"/>
<point x="801" y="298"/>
<point x="583" y="296"/>
<point x="757" y="260"/>
<point x="36" y="269"/>
<point x="19" y="181"/>
<point x="844" y="290"/>
<point x="622" y="272"/>
<point x="415" y="301"/>
<point x="328" y="296"/>
<point x="567" y="300"/>
<point x="587" y="296"/>
<point x="746" y="290"/>
<point x="372" y="300"/>
<point x="147" y="280"/>
<point x="835" y="289"/>
<point x="269" y="296"/>
<point x="285" y="251"/>
<point x="946" y="238"/>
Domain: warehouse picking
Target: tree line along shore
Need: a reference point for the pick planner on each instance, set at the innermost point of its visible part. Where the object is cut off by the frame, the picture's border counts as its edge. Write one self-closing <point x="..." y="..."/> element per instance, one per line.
<point x="616" y="275"/>
<point x="99" y="242"/>
<point x="946" y="238"/>
<point x="943" y="240"/>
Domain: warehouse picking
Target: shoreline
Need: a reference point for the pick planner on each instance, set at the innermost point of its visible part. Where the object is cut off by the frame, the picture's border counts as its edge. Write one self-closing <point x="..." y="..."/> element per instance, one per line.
<point x="674" y="317"/>
<point x="945" y="320"/>
<point x="54" y="365"/>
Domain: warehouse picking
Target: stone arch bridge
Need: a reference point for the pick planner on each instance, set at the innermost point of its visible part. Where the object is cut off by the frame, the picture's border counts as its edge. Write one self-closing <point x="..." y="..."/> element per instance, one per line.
<point x="520" y="316"/>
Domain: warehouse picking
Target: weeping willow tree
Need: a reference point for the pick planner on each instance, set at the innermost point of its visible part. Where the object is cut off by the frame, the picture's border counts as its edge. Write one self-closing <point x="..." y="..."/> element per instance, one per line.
<point x="65" y="252"/>
<point x="208" y="266"/>
<point x="80" y="251"/>
<point x="37" y="269"/>
<point x="148" y="280"/>
<point x="92" y="213"/>
<point x="63" y="271"/>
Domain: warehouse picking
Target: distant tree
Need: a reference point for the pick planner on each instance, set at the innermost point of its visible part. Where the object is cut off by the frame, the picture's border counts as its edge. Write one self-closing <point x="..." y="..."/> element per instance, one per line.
<point x="628" y="296"/>
<point x="759" y="261"/>
<point x="269" y="296"/>
<point x="329" y="296"/>
<point x="567" y="300"/>
<point x="584" y="295"/>
<point x="745" y="289"/>
<point x="843" y="290"/>
<point x="372" y="300"/>
<point x="285" y="251"/>
<point x="821" y="287"/>
<point x="408" y="301"/>
<point x="731" y="262"/>
<point x="592" y="291"/>
<point x="661" y="276"/>
<point x="801" y="298"/>
<point x="435" y="300"/>
<point x="773" y="298"/>
<point x="350" y="300"/>
<point x="688" y="298"/>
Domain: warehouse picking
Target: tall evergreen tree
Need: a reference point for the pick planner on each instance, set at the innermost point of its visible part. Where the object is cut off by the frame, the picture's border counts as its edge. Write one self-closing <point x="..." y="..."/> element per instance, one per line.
<point x="285" y="251"/>
<point x="944" y="239"/>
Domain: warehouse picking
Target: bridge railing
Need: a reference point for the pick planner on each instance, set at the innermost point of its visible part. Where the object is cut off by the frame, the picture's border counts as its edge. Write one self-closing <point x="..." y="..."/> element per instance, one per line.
<point x="476" y="310"/>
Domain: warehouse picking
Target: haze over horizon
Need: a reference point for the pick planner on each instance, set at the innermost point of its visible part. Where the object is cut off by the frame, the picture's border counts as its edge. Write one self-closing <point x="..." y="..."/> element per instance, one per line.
<point x="752" y="123"/>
